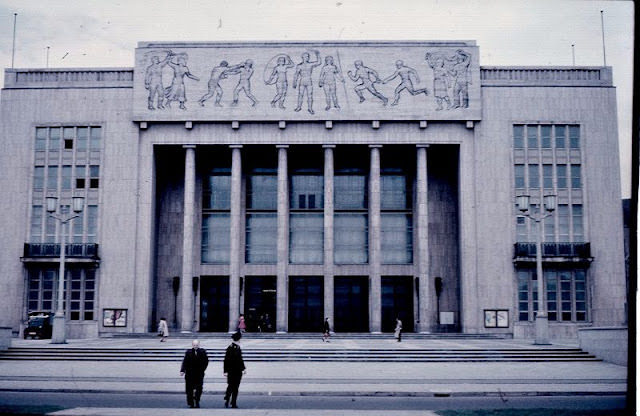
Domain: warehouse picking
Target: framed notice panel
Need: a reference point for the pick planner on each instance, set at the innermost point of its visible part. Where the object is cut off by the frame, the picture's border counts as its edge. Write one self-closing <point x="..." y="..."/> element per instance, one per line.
<point x="114" y="317"/>
<point x="496" y="318"/>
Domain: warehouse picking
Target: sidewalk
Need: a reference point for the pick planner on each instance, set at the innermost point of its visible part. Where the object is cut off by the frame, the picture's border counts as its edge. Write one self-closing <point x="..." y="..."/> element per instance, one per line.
<point x="400" y="379"/>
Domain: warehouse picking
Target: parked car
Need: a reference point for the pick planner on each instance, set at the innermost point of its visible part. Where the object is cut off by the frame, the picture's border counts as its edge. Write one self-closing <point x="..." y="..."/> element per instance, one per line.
<point x="39" y="325"/>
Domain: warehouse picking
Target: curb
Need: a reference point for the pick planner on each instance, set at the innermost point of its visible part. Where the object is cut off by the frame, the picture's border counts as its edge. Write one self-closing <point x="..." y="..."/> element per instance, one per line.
<point x="335" y="393"/>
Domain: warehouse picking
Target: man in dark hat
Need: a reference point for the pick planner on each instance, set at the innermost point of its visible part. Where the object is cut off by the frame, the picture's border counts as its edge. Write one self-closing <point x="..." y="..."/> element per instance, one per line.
<point x="233" y="370"/>
<point x="193" y="365"/>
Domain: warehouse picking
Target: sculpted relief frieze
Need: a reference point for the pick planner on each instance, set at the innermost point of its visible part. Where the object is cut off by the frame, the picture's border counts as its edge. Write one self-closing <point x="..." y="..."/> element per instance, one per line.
<point x="307" y="82"/>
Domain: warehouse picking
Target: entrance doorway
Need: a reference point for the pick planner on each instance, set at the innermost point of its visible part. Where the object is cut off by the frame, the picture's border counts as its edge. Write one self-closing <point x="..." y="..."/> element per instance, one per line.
<point x="214" y="303"/>
<point x="306" y="304"/>
<point x="351" y="304"/>
<point x="397" y="302"/>
<point x="260" y="303"/>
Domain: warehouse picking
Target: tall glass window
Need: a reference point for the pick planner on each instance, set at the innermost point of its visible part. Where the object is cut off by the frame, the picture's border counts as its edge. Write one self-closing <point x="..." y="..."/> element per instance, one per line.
<point x="351" y="230"/>
<point x="306" y="220"/>
<point x="351" y="238"/>
<point x="261" y="234"/>
<point x="216" y="231"/>
<point x="396" y="221"/>
<point x="216" y="217"/>
<point x="261" y="227"/>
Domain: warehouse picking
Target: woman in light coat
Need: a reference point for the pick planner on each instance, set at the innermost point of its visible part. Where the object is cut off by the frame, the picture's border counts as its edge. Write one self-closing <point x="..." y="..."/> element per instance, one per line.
<point x="163" y="329"/>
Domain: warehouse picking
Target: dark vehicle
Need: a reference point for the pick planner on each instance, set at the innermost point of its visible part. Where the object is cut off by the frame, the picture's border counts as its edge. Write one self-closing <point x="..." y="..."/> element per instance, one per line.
<point x="39" y="325"/>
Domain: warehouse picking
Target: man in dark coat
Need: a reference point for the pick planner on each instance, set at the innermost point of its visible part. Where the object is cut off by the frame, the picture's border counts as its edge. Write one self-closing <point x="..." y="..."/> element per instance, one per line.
<point x="233" y="369"/>
<point x="194" y="364"/>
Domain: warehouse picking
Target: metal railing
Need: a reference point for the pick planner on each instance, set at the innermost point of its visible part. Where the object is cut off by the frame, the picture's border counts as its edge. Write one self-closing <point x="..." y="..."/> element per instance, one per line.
<point x="76" y="250"/>
<point x="574" y="250"/>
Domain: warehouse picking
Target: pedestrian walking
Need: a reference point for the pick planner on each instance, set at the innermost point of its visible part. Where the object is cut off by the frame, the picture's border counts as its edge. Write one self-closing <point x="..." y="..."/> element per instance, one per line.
<point x="163" y="329"/>
<point x="233" y="370"/>
<point x="326" y="331"/>
<point x="194" y="364"/>
<point x="398" y="330"/>
<point x="242" y="325"/>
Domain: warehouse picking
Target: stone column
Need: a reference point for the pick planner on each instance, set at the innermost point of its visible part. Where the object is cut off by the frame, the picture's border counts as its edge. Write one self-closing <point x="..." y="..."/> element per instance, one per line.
<point x="283" y="241"/>
<point x="235" y="255"/>
<point x="186" y="310"/>
<point x="422" y="249"/>
<point x="375" y="301"/>
<point x="328" y="233"/>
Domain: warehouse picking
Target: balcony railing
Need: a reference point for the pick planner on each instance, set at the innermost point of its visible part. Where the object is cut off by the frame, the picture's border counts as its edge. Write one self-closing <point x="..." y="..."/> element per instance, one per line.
<point x="72" y="250"/>
<point x="567" y="250"/>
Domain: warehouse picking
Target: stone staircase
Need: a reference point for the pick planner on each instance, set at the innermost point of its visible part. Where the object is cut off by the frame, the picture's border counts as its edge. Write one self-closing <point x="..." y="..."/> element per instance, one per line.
<point x="320" y="353"/>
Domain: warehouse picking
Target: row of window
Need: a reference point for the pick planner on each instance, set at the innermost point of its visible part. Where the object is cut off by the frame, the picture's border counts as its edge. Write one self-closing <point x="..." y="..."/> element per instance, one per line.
<point x="83" y="229"/>
<point x="79" y="292"/>
<point x="307" y="192"/>
<point x="566" y="295"/>
<point x="68" y="138"/>
<point x="558" y="176"/>
<point x="546" y="136"/>
<point x="306" y="221"/>
<point x="67" y="177"/>
<point x="565" y="225"/>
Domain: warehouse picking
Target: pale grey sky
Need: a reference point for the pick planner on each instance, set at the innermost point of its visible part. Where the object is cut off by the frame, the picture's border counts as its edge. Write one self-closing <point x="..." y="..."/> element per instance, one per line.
<point x="105" y="33"/>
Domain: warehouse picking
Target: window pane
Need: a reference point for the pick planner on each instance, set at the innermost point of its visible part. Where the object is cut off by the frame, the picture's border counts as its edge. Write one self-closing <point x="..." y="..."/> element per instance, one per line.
<point x="351" y="239"/>
<point x="66" y="177"/>
<point x="547" y="171"/>
<point x="306" y="238"/>
<point x="261" y="239"/>
<point x="396" y="239"/>
<point x="216" y="232"/>
<point x="532" y="137"/>
<point x="81" y="140"/>
<point x="575" y="177"/>
<point x="54" y="139"/>
<point x="561" y="173"/>
<point x="350" y="192"/>
<point x="307" y="192"/>
<point x="36" y="223"/>
<point x="578" y="229"/>
<point x="563" y="223"/>
<point x="92" y="223"/>
<point x="534" y="176"/>
<point x="519" y="176"/>
<point x="96" y="138"/>
<point x="393" y="192"/>
<point x="262" y="192"/>
<point x="52" y="178"/>
<point x="41" y="138"/>
<point x="38" y="177"/>
<point x="546" y="137"/>
<point x="574" y="137"/>
<point x="561" y="137"/>
<point x="518" y="137"/>
<point x="217" y="194"/>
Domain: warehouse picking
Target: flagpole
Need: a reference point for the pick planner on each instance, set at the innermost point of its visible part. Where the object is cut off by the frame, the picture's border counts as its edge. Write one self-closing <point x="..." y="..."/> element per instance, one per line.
<point x="604" y="52"/>
<point x="13" y="50"/>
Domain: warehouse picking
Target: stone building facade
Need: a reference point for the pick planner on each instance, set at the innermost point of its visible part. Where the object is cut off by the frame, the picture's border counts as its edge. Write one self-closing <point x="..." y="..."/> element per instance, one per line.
<point x="289" y="182"/>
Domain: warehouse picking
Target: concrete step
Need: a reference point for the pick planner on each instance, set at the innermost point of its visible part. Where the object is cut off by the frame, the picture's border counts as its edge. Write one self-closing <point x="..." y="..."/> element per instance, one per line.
<point x="309" y="355"/>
